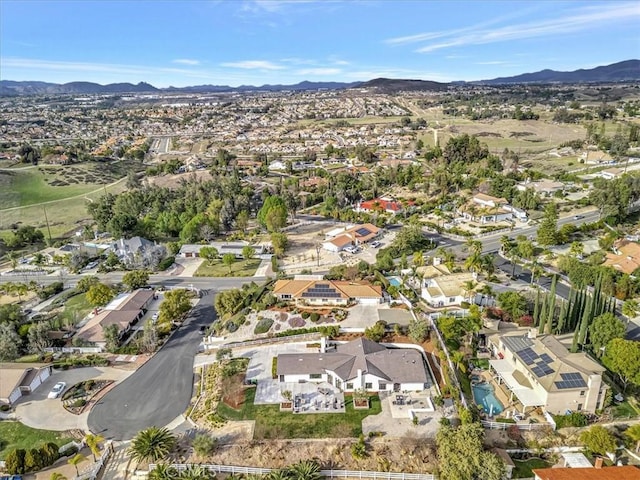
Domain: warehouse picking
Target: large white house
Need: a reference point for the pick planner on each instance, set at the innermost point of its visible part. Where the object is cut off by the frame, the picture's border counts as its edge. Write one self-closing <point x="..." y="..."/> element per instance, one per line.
<point x="448" y="290"/>
<point x="358" y="364"/>
<point x="486" y="209"/>
<point x="353" y="235"/>
<point x="540" y="372"/>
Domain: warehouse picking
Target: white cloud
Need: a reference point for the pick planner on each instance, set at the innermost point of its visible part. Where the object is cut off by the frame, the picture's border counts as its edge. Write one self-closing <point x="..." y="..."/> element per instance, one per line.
<point x="186" y="61"/>
<point x="587" y="18"/>
<point x="319" y="71"/>
<point x="269" y="6"/>
<point x="253" y="65"/>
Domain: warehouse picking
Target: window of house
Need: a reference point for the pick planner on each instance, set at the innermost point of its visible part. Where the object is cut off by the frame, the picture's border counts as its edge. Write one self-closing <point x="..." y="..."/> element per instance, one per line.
<point x="338" y="383"/>
<point x="382" y="386"/>
<point x="349" y="386"/>
<point x="582" y="393"/>
<point x="579" y="407"/>
<point x="286" y="296"/>
<point x="368" y="386"/>
<point x="452" y="299"/>
<point x="315" y="376"/>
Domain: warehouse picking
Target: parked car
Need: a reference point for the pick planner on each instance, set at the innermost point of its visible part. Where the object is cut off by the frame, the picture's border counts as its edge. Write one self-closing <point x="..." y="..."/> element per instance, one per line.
<point x="376" y="244"/>
<point x="155" y="316"/>
<point x="57" y="389"/>
<point x="578" y="217"/>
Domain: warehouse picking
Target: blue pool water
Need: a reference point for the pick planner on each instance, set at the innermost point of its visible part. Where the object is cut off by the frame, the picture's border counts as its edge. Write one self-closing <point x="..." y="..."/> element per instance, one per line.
<point x="485" y="397"/>
<point x="394" y="281"/>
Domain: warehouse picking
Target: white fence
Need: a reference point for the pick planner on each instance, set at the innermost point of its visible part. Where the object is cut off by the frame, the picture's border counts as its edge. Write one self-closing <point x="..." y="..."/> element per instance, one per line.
<point x="521" y="426"/>
<point x="73" y="349"/>
<point x="265" y="341"/>
<point x="95" y="469"/>
<point x="325" y="473"/>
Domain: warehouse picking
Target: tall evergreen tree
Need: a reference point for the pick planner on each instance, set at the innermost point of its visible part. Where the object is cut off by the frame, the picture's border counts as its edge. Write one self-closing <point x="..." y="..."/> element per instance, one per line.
<point x="552" y="304"/>
<point x="536" y="308"/>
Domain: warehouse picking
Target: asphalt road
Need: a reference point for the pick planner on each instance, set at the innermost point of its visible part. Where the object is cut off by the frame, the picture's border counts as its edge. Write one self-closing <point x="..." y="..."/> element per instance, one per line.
<point x="161" y="389"/>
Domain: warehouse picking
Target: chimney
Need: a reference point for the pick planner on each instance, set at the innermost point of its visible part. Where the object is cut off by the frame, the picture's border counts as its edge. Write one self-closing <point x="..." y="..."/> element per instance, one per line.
<point x="599" y="462"/>
<point x="533" y="333"/>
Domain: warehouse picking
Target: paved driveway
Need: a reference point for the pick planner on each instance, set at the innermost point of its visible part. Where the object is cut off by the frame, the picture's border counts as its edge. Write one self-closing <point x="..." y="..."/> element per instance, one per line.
<point x="160" y="390"/>
<point x="38" y="411"/>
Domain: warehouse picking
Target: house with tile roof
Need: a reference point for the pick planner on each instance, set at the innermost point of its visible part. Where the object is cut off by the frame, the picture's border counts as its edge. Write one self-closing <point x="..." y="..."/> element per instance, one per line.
<point x="626" y="472"/>
<point x="358" y="364"/>
<point x="353" y="235"/>
<point x="382" y="204"/>
<point x="625" y="257"/>
<point x="539" y="371"/>
<point x="124" y="312"/>
<point x="313" y="291"/>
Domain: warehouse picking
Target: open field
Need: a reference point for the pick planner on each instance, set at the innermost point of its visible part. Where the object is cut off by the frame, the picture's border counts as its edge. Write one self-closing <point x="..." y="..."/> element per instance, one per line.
<point x="528" y="136"/>
<point x="239" y="268"/>
<point x="64" y="215"/>
<point x="17" y="435"/>
<point x="271" y="423"/>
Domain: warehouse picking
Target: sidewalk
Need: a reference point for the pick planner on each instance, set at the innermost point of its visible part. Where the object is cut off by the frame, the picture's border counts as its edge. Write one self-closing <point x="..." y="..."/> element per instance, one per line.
<point x="118" y="464"/>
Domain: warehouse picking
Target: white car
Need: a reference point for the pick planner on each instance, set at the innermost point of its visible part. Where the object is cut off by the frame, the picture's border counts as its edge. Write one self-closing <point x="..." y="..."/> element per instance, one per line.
<point x="57" y="389"/>
<point x="155" y="316"/>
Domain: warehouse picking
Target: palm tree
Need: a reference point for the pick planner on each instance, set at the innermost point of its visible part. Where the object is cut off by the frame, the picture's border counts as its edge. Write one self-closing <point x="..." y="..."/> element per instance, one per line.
<point x="474" y="247"/>
<point x="76" y="460"/>
<point x="473" y="262"/>
<point x="163" y="471"/>
<point x="630" y="308"/>
<point x="305" y="470"/>
<point x="93" y="442"/>
<point x="57" y="476"/>
<point x="633" y="432"/>
<point x="457" y="358"/>
<point x="279" y="474"/>
<point x="486" y="291"/>
<point x="152" y="444"/>
<point x="487" y="265"/>
<point x="536" y="270"/>
<point x="12" y="257"/>
<point x="469" y="286"/>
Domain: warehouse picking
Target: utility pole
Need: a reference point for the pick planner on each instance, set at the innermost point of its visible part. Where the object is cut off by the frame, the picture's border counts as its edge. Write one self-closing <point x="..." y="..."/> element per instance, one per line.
<point x="47" y="220"/>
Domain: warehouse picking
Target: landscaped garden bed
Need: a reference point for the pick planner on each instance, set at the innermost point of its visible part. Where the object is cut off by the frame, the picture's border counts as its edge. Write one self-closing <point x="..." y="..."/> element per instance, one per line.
<point x="77" y="397"/>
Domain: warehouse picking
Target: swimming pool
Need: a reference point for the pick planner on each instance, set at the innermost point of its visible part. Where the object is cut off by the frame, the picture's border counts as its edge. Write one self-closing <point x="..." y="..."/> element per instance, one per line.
<point x="485" y="397"/>
<point x="394" y="281"/>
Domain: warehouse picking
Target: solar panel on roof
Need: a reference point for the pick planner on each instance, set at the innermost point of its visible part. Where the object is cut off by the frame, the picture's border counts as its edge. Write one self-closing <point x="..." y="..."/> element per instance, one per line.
<point x="528" y="356"/>
<point x="546" y="358"/>
<point x="363" y="232"/>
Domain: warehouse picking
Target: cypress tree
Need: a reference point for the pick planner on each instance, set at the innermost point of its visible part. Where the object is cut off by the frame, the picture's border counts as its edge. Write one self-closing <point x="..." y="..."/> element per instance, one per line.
<point x="536" y="308"/>
<point x="563" y="317"/>
<point x="587" y="316"/>
<point x="552" y="304"/>
<point x="543" y="314"/>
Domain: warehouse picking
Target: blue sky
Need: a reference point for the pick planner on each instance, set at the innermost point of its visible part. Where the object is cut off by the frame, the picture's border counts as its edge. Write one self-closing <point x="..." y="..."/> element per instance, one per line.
<point x="234" y="42"/>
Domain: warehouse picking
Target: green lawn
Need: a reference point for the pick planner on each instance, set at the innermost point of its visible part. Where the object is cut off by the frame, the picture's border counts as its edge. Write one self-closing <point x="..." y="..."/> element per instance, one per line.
<point x="75" y="309"/>
<point x="239" y="268"/>
<point x="272" y="423"/>
<point x="523" y="468"/>
<point x="16" y="435"/>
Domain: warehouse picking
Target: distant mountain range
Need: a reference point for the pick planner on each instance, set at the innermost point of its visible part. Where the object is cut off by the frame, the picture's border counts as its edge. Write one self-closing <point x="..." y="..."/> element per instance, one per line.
<point x="628" y="70"/>
<point x="616" y="72"/>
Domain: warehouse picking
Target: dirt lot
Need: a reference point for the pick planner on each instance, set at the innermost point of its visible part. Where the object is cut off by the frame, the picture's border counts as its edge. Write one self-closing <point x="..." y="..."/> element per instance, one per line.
<point x="169" y="181"/>
<point x="408" y="454"/>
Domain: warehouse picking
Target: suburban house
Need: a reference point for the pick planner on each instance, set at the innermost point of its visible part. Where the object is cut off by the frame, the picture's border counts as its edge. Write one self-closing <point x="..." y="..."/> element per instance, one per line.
<point x="545" y="188"/>
<point x="626" y="472"/>
<point x="540" y="372"/>
<point x="382" y="204"/>
<point x="193" y="250"/>
<point x="625" y="257"/>
<point x="18" y="379"/>
<point x="485" y="209"/>
<point x="448" y="290"/>
<point x="312" y="290"/>
<point x="358" y="364"/>
<point x="611" y="173"/>
<point x="124" y="311"/>
<point x="354" y="235"/>
<point x="596" y="157"/>
<point x="137" y="250"/>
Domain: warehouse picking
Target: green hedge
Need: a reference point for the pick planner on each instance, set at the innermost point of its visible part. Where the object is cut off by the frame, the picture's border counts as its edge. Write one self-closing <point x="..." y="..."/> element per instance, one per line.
<point x="263" y="326"/>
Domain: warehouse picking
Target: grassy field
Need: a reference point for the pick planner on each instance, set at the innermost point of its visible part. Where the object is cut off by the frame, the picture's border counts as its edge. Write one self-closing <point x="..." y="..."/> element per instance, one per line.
<point x="271" y="423"/>
<point x="523" y="468"/>
<point x="64" y="215"/>
<point x="16" y="435"/>
<point x="239" y="268"/>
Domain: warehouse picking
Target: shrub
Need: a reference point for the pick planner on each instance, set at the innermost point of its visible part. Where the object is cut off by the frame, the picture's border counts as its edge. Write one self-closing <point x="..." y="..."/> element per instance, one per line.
<point x="14" y="461"/>
<point x="305" y="315"/>
<point x="204" y="445"/>
<point x="81" y="402"/>
<point x="50" y="290"/>
<point x="274" y="367"/>
<point x="33" y="460"/>
<point x="359" y="449"/>
<point x="315" y="316"/>
<point x="574" y="419"/>
<point x="231" y="327"/>
<point x="296" y="322"/>
<point x="263" y="326"/>
<point x="166" y="263"/>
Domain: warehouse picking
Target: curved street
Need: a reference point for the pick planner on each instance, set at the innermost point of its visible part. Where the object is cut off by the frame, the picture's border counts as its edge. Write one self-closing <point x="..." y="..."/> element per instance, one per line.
<point x="160" y="390"/>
